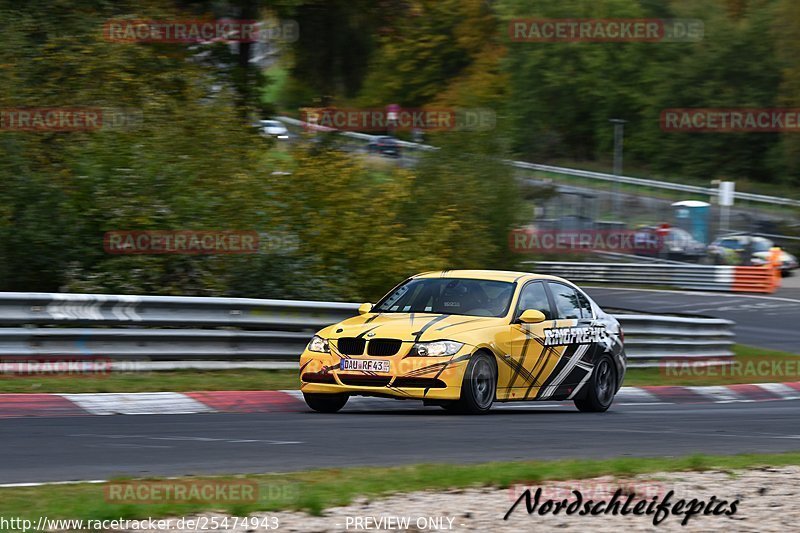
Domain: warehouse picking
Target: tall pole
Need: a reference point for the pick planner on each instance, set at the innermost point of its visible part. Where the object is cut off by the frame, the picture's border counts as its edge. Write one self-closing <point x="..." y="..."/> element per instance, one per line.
<point x="619" y="133"/>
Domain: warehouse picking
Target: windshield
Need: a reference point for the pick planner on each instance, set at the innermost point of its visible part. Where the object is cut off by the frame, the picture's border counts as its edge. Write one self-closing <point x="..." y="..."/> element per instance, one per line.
<point x="471" y="297"/>
<point x="761" y="244"/>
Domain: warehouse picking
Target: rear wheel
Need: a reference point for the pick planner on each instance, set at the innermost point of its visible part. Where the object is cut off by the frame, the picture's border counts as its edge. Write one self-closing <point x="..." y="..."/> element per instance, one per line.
<point x="479" y="386"/>
<point x="601" y="388"/>
<point x="326" y="403"/>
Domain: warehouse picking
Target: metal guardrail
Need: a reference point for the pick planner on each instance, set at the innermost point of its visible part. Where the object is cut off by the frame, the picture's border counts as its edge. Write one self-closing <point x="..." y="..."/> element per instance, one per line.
<point x="170" y="328"/>
<point x="701" y="277"/>
<point x="650" y="340"/>
<point x="643" y="182"/>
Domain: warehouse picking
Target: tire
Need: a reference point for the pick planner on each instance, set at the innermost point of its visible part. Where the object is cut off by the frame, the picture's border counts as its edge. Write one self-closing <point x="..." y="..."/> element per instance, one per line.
<point x="326" y="403"/>
<point x="601" y="388"/>
<point x="479" y="386"/>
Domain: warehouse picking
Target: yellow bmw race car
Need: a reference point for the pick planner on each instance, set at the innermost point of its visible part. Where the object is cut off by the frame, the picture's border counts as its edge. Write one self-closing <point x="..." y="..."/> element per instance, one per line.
<point x="463" y="339"/>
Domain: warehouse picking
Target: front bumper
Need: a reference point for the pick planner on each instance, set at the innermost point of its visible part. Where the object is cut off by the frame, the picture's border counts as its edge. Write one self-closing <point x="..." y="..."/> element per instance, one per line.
<point x="430" y="378"/>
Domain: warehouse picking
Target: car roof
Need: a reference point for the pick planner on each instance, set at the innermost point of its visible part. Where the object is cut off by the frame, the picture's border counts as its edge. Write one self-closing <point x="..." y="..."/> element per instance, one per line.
<point x="493" y="275"/>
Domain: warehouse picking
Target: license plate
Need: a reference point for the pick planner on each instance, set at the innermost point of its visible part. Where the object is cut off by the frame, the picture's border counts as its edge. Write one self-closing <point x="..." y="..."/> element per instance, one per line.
<point x="366" y="365"/>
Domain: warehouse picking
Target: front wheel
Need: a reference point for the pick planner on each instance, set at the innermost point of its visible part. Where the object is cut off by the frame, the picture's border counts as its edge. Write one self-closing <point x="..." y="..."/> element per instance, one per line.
<point x="601" y="388"/>
<point x="325" y="403"/>
<point x="479" y="386"/>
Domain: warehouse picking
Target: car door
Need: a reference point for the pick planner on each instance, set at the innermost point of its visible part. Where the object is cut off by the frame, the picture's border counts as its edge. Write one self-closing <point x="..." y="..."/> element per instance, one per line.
<point x="521" y="370"/>
<point x="572" y="338"/>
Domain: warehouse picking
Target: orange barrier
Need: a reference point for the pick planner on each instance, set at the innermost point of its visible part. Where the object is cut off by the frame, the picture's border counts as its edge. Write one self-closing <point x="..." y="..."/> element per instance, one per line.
<point x="755" y="279"/>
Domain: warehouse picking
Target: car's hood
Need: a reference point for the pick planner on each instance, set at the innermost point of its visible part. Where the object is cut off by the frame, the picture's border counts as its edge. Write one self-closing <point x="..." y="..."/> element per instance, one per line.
<point x="408" y="326"/>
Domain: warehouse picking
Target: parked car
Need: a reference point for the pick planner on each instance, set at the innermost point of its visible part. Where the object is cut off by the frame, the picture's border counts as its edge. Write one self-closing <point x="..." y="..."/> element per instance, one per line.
<point x="731" y="250"/>
<point x="273" y="128"/>
<point x="669" y="243"/>
<point x="680" y="244"/>
<point x="384" y="145"/>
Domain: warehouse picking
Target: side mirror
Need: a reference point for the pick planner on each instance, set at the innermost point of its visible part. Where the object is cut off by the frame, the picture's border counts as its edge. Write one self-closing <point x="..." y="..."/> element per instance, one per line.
<point x="365" y="308"/>
<point x="532" y="316"/>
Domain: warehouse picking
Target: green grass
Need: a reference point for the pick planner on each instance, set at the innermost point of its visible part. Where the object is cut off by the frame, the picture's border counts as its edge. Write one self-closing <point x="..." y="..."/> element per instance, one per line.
<point x="176" y="381"/>
<point x="637" y="377"/>
<point x="316" y="490"/>
<point x="278" y="75"/>
<point x="248" y="379"/>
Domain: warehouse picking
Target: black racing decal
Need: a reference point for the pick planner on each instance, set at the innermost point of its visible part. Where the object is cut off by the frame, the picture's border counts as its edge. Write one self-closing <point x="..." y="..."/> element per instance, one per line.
<point x="302" y="367"/>
<point x="517" y="368"/>
<point x="548" y="352"/>
<point x="419" y="333"/>
<point x="559" y="366"/>
<point x="458" y="324"/>
<point x="431" y="368"/>
<point x="451" y="361"/>
<point x="522" y="359"/>
<point x="425" y="370"/>
<point x="574" y="365"/>
<point x="566" y="359"/>
<point x="373" y="317"/>
<point x="361" y="335"/>
<point x="543" y="357"/>
<point x="392" y="388"/>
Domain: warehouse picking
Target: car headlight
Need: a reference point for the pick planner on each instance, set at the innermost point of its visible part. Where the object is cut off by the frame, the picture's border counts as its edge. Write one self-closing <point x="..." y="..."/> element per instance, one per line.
<point x="318" y="344"/>
<point x="436" y="348"/>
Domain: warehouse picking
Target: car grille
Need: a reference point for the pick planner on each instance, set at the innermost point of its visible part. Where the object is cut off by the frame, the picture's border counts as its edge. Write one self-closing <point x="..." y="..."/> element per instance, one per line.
<point x="351" y="345"/>
<point x="318" y="377"/>
<point x="364" y="380"/>
<point x="419" y="383"/>
<point x="384" y="347"/>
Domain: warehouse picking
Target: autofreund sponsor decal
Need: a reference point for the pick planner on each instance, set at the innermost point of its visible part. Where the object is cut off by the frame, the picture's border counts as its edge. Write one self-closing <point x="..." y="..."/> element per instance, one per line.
<point x="574" y="335"/>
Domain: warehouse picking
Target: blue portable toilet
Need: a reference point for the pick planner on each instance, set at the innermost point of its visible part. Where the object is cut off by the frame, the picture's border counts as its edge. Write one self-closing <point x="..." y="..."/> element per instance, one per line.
<point x="692" y="215"/>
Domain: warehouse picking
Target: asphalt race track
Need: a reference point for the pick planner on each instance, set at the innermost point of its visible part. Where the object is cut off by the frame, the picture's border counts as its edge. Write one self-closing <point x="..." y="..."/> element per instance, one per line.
<point x="101" y="447"/>
<point x="769" y="321"/>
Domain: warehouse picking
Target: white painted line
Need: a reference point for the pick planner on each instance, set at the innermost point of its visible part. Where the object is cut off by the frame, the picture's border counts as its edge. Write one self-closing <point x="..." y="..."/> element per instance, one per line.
<point x="142" y="403"/>
<point x="643" y="403"/>
<point x="636" y="395"/>
<point x="294" y="393"/>
<point x="719" y="394"/>
<point x="180" y="438"/>
<point x="784" y="391"/>
<point x="46" y="483"/>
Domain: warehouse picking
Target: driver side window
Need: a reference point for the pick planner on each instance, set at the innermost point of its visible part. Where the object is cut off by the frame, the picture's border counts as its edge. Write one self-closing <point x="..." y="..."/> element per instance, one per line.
<point x="533" y="296"/>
